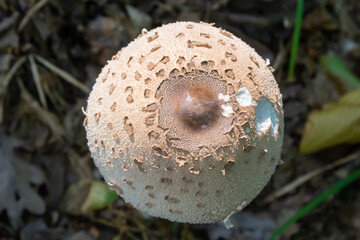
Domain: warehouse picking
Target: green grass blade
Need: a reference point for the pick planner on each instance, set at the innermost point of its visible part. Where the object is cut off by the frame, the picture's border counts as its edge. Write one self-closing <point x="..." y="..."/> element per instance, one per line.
<point x="316" y="201"/>
<point x="336" y="67"/>
<point x="296" y="36"/>
<point x="175" y="225"/>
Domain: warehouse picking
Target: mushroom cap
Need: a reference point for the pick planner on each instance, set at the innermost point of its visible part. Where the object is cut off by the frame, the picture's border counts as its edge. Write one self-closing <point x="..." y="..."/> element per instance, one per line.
<point x="186" y="123"/>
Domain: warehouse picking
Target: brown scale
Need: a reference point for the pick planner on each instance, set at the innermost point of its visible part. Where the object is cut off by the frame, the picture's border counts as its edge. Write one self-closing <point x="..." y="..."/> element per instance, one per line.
<point x="198" y="107"/>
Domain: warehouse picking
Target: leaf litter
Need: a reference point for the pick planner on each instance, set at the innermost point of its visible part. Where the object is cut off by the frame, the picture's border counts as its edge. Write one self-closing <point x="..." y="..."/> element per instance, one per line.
<point x="17" y="177"/>
<point x="49" y="65"/>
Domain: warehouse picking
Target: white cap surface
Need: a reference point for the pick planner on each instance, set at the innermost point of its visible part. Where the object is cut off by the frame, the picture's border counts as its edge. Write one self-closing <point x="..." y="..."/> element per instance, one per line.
<point x="186" y="123"/>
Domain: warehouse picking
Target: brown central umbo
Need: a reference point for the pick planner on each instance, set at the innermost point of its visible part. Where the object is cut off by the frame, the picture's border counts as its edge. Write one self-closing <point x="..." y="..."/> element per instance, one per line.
<point x="190" y="111"/>
<point x="197" y="107"/>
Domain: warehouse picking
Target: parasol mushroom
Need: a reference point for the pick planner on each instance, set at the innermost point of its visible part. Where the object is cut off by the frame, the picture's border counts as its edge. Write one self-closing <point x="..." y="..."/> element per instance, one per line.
<point x="186" y="123"/>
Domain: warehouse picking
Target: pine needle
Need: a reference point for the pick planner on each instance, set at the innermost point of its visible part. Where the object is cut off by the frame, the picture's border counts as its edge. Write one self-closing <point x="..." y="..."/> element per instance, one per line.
<point x="30" y="13"/>
<point x="61" y="73"/>
<point x="39" y="88"/>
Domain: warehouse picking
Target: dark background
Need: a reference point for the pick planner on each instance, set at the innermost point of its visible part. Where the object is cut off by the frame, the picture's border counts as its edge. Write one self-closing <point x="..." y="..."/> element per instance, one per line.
<point x="52" y="51"/>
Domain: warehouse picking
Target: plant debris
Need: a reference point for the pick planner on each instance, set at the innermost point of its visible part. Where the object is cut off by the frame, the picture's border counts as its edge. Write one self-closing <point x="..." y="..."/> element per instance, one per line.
<point x="50" y="55"/>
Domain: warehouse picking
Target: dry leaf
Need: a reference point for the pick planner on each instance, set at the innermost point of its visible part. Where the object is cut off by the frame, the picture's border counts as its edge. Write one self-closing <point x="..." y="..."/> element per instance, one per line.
<point x="335" y="124"/>
<point x="16" y="180"/>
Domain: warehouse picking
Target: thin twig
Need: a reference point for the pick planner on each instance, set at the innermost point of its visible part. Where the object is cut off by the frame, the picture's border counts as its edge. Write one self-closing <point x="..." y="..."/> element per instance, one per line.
<point x="307" y="177"/>
<point x="131" y="236"/>
<point x="261" y="21"/>
<point x="125" y="229"/>
<point x="35" y="73"/>
<point x="30" y="13"/>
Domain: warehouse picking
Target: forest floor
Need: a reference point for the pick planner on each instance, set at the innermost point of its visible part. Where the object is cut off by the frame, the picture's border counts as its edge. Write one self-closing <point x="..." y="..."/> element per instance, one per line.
<point x="50" y="55"/>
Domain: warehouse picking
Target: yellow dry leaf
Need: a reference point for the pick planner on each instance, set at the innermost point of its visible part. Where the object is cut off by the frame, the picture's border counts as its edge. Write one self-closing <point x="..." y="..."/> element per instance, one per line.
<point x="335" y="124"/>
